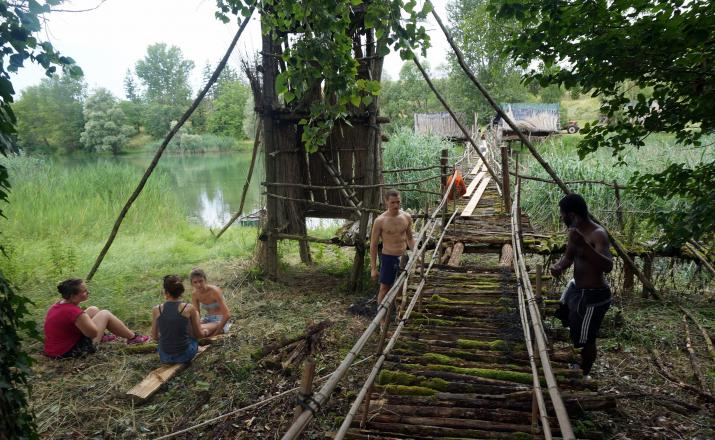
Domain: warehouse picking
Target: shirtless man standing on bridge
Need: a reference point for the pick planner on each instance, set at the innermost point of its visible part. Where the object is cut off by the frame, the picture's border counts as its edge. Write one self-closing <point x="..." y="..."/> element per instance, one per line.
<point x="394" y="227"/>
<point x="588" y="296"/>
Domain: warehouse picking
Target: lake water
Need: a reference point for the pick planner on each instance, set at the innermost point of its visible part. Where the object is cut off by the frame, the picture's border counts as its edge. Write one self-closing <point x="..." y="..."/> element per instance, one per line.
<point x="208" y="185"/>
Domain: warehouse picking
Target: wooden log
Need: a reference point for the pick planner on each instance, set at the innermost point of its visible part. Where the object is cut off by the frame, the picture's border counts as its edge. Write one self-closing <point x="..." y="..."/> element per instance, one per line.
<point x="506" y="257"/>
<point x="703" y="331"/>
<point x="647" y="273"/>
<point x="538" y="283"/>
<point x="457" y="251"/>
<point x="655" y="355"/>
<point x="486" y="425"/>
<point x="156" y="378"/>
<point x="628" y="280"/>
<point x="691" y="356"/>
<point x="486" y="412"/>
<point x="445" y="256"/>
<point x="273" y="347"/>
<point x="506" y="191"/>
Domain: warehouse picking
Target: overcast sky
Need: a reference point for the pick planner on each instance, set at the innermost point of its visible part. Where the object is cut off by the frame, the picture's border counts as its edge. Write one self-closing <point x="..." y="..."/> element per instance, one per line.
<point x="109" y="40"/>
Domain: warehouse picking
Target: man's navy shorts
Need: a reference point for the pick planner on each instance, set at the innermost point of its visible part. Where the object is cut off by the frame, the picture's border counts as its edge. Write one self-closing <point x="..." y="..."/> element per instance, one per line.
<point x="389" y="268"/>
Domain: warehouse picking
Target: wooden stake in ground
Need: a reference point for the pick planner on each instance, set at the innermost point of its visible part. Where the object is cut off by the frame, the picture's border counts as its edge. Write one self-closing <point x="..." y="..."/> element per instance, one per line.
<point x="306" y="385"/>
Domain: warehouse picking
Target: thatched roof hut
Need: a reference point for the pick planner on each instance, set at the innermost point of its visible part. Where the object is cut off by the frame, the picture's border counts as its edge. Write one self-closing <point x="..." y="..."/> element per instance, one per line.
<point x="534" y="118"/>
<point x="440" y="124"/>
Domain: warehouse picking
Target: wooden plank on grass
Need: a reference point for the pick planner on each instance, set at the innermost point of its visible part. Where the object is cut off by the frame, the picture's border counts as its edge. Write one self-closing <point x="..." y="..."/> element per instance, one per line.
<point x="155" y="379"/>
<point x="473" y="184"/>
<point x="475" y="198"/>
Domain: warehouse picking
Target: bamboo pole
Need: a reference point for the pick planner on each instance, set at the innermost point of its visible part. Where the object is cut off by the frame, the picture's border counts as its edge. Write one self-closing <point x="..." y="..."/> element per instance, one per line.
<point x="324" y="393"/>
<point x="256" y="144"/>
<point x="337" y="178"/>
<point x="334" y="187"/>
<point x="539" y="333"/>
<point x="569" y="182"/>
<point x="460" y="58"/>
<point x="367" y="386"/>
<point x="164" y="144"/>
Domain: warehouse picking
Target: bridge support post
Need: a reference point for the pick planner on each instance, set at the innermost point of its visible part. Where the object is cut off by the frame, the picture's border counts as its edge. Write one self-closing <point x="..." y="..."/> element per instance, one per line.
<point x="443" y="164"/>
<point x="537" y="284"/>
<point x="647" y="272"/>
<point x="505" y="177"/>
<point x="306" y="385"/>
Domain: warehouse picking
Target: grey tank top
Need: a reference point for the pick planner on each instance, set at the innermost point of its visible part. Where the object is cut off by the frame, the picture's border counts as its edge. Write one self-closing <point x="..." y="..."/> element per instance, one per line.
<point x="173" y="328"/>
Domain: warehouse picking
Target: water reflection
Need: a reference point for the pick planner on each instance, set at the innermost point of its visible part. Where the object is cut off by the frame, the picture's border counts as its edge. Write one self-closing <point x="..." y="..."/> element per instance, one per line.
<point x="213" y="212"/>
<point x="208" y="186"/>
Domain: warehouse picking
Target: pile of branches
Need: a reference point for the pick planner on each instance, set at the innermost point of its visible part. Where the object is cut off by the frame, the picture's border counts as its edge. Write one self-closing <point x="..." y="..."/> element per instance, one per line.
<point x="288" y="353"/>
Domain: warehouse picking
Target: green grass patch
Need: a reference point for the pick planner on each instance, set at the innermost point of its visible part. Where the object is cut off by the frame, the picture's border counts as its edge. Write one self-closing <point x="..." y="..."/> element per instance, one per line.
<point x="488" y="373"/>
<point x="396" y="377"/>
<point x="442" y="359"/>
<point x="497" y="344"/>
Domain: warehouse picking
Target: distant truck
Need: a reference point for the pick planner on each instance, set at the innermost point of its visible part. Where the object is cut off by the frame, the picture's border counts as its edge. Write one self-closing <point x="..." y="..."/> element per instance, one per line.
<point x="572" y="127"/>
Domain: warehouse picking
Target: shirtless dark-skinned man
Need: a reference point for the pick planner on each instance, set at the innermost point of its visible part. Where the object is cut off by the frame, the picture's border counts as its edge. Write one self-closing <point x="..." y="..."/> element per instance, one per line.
<point x="394" y="228"/>
<point x="588" y="297"/>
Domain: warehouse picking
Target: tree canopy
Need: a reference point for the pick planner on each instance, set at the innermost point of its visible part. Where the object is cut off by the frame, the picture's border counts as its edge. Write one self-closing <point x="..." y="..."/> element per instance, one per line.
<point x="164" y="73"/>
<point x="105" y="128"/>
<point x="320" y="50"/>
<point x="667" y="47"/>
<point x="49" y="115"/>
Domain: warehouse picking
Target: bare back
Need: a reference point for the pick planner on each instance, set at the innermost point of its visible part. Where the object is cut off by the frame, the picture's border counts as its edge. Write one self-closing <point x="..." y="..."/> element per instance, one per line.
<point x="589" y="252"/>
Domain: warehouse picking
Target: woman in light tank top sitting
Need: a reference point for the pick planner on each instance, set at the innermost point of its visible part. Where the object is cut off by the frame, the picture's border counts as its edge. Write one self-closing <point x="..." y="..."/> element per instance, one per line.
<point x="208" y="298"/>
<point x="175" y="324"/>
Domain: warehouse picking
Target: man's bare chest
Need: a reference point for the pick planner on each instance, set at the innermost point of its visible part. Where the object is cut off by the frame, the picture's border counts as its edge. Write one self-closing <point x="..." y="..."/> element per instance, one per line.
<point x="393" y="227"/>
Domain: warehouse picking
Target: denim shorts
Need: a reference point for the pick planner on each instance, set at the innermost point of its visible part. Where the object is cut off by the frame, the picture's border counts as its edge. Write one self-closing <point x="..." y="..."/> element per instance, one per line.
<point x="208" y="319"/>
<point x="180" y="358"/>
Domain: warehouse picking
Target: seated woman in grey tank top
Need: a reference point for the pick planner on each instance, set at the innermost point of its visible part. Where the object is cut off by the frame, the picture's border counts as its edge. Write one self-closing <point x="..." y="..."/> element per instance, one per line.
<point x="175" y="324"/>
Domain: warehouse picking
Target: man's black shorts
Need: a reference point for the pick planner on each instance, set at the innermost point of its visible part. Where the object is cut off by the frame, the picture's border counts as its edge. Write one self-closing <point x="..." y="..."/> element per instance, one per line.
<point x="389" y="268"/>
<point x="586" y="309"/>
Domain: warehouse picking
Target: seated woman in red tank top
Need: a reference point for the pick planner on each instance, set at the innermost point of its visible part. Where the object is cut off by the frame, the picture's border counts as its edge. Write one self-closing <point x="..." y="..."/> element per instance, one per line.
<point x="71" y="331"/>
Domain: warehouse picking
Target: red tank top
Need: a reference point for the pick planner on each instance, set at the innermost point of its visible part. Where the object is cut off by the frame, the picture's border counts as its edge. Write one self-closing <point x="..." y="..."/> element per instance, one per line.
<point x="61" y="334"/>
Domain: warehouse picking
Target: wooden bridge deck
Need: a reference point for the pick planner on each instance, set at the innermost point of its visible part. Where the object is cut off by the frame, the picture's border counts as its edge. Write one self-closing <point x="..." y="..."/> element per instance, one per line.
<point x="460" y="369"/>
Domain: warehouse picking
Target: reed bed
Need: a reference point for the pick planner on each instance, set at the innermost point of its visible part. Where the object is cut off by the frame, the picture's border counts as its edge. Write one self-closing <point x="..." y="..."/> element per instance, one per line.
<point x="540" y="200"/>
<point x="408" y="150"/>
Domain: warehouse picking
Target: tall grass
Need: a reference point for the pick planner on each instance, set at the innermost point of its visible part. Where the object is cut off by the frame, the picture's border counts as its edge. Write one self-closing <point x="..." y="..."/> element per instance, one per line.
<point x="59" y="218"/>
<point x="408" y="150"/>
<point x="540" y="200"/>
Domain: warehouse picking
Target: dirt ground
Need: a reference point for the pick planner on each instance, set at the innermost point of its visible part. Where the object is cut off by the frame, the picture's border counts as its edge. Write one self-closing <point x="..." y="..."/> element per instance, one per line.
<point x="85" y="398"/>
